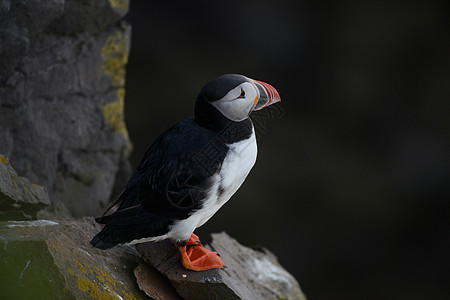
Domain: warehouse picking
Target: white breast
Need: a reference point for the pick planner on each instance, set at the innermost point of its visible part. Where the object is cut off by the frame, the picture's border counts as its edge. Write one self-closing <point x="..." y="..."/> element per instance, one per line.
<point x="237" y="164"/>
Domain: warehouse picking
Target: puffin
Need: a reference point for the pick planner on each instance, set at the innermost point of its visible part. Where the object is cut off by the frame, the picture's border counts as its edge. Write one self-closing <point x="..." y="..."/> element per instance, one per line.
<point x="189" y="172"/>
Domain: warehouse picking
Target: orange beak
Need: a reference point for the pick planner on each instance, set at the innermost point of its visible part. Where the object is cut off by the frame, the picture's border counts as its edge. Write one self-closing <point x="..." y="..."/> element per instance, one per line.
<point x="268" y="95"/>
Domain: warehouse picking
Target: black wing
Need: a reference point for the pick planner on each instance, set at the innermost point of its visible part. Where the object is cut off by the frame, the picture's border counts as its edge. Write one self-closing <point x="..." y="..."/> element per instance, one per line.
<point x="170" y="183"/>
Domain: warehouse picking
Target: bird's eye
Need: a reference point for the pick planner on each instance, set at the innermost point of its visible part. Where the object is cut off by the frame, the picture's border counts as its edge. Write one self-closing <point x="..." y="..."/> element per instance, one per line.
<point x="242" y="95"/>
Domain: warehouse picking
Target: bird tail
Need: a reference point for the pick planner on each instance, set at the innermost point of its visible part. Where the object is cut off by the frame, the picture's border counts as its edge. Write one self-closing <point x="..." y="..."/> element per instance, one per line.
<point x="105" y="239"/>
<point x="127" y="225"/>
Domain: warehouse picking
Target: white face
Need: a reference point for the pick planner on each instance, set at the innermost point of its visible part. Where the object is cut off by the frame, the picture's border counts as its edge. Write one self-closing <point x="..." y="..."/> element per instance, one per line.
<point x="238" y="103"/>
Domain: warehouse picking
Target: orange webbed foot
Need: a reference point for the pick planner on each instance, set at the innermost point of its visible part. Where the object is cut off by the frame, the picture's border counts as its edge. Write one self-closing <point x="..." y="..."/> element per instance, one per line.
<point x="197" y="258"/>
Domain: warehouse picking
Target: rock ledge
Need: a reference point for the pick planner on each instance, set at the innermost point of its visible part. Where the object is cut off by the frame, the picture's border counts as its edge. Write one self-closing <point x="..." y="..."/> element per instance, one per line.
<point x="250" y="274"/>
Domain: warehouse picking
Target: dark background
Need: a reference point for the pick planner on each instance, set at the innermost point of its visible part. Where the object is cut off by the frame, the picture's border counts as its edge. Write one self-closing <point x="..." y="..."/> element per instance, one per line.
<point x="351" y="186"/>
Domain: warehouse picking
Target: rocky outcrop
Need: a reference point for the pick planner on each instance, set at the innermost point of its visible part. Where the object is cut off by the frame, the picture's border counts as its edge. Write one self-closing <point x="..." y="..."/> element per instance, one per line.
<point x="250" y="274"/>
<point x="19" y="198"/>
<point x="45" y="259"/>
<point x="62" y="78"/>
<point x="53" y="260"/>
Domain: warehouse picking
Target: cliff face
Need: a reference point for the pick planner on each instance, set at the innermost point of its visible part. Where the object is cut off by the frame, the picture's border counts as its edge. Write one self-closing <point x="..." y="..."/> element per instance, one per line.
<point x="62" y="77"/>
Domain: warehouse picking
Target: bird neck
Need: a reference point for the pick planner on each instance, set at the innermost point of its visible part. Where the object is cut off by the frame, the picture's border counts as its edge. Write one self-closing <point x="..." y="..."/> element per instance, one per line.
<point x="229" y="131"/>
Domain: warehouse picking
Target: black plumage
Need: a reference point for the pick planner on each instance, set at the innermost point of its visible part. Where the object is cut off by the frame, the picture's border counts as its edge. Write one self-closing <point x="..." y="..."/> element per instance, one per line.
<point x="172" y="179"/>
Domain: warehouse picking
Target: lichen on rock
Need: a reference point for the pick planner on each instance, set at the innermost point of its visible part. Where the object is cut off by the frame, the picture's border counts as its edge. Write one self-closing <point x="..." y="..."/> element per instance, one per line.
<point x="115" y="55"/>
<point x="53" y="260"/>
<point x="62" y="90"/>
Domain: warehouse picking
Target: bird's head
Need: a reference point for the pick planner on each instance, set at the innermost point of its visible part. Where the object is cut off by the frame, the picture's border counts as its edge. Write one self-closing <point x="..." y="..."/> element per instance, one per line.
<point x="236" y="96"/>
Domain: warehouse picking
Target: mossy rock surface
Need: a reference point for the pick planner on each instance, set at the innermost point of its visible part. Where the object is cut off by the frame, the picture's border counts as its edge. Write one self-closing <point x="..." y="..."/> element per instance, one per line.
<point x="45" y="259"/>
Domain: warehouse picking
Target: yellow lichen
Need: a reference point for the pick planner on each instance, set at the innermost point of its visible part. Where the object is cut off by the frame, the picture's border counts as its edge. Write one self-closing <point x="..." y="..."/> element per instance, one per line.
<point x="128" y="296"/>
<point x="100" y="285"/>
<point x="100" y="278"/>
<point x="123" y="4"/>
<point x="115" y="55"/>
<point x="82" y="267"/>
<point x="85" y="285"/>
<point x="113" y="113"/>
<point x="3" y="160"/>
<point x="108" y="278"/>
<point x="105" y="290"/>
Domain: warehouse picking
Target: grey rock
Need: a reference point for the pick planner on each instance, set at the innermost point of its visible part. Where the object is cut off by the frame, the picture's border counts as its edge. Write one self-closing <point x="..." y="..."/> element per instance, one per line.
<point x="154" y="284"/>
<point x="250" y="274"/>
<point x="87" y="15"/>
<point x="19" y="198"/>
<point x="62" y="78"/>
<point x="5" y="6"/>
<point x="45" y="259"/>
